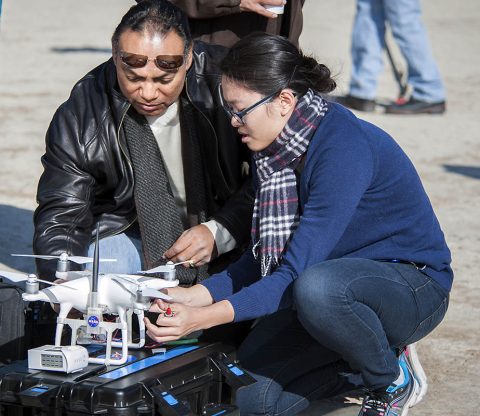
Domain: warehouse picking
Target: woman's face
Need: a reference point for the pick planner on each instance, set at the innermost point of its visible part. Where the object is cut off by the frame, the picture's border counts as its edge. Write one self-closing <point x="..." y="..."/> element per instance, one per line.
<point x="263" y="124"/>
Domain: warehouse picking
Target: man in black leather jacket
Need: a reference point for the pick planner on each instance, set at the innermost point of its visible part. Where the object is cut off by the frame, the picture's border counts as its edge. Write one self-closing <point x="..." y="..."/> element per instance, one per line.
<point x="88" y="174"/>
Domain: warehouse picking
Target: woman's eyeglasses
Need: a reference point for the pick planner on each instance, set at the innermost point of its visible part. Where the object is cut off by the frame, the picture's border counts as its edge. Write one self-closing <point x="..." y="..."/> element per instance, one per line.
<point x="164" y="62"/>
<point x="238" y="116"/>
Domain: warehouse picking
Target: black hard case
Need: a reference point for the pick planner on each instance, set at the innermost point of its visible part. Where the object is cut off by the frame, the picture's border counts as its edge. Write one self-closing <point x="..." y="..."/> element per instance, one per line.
<point x="201" y="381"/>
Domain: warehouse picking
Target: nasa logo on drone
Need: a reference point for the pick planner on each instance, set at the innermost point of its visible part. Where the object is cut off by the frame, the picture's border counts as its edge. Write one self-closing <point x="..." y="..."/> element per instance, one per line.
<point x="93" y="321"/>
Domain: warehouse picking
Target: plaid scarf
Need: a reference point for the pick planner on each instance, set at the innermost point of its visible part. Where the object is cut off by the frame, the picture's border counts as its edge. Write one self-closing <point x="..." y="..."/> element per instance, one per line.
<point x="276" y="213"/>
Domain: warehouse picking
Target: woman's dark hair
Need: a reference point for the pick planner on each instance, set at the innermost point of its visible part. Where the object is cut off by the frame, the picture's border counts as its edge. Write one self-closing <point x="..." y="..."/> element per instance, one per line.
<point x="156" y="16"/>
<point x="267" y="63"/>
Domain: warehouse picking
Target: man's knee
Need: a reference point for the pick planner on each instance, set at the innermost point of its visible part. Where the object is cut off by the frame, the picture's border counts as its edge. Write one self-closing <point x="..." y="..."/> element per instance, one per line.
<point x="122" y="247"/>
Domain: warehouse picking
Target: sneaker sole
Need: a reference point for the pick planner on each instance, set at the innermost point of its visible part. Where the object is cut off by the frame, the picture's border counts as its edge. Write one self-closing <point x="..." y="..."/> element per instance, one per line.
<point x="406" y="405"/>
<point x="421" y="384"/>
<point x="430" y="110"/>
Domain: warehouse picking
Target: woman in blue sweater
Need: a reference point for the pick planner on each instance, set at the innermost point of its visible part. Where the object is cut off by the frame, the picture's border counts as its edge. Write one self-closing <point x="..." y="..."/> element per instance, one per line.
<point x="348" y="264"/>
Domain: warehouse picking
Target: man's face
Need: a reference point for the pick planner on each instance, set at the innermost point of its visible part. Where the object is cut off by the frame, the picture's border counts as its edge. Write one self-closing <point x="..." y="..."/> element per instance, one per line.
<point x="150" y="89"/>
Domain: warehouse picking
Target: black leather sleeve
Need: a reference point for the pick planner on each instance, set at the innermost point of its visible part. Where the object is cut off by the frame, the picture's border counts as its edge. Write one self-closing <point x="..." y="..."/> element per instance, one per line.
<point x="63" y="217"/>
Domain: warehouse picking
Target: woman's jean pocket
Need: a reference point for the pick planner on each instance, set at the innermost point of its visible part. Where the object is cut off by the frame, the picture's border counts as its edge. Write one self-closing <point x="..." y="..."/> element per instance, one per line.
<point x="432" y="304"/>
<point x="428" y="324"/>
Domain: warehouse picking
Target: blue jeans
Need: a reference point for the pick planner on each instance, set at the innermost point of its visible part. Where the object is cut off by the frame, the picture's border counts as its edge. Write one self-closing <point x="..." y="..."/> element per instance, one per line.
<point x="125" y="247"/>
<point x="350" y="315"/>
<point x="368" y="42"/>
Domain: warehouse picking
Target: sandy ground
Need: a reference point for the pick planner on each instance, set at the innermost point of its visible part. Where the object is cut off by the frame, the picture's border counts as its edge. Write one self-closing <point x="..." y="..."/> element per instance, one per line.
<point x="45" y="46"/>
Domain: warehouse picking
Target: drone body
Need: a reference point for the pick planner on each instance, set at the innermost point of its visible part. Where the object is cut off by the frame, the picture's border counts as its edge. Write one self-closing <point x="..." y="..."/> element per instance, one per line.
<point x="114" y="291"/>
<point x="94" y="295"/>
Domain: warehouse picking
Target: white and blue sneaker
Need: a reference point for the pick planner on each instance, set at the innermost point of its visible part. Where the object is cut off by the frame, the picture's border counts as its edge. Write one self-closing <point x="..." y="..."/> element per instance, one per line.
<point x="393" y="400"/>
<point x="409" y="354"/>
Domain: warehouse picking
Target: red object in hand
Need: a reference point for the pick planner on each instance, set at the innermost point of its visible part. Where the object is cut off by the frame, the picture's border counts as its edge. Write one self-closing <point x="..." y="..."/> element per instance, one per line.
<point x="168" y="312"/>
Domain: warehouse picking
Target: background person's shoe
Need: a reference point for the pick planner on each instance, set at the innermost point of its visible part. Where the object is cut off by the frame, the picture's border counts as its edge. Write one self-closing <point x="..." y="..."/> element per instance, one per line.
<point x="414" y="106"/>
<point x="356" y="103"/>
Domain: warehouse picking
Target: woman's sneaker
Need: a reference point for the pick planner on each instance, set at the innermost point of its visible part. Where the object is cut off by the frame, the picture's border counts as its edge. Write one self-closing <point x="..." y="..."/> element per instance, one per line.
<point x="393" y="400"/>
<point x="409" y="354"/>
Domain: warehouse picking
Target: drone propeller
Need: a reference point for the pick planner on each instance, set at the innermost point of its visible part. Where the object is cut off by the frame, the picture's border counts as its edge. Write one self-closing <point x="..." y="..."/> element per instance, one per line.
<point x="129" y="278"/>
<point x="121" y="279"/>
<point x="159" y="269"/>
<point x="145" y="291"/>
<point x="154" y="293"/>
<point x="165" y="268"/>
<point x="121" y="282"/>
<point x="22" y="277"/>
<point x="73" y="275"/>
<point x="64" y="257"/>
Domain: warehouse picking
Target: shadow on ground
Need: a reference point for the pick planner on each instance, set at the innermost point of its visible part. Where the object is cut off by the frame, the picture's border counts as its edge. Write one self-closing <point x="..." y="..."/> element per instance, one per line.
<point x="470" y="171"/>
<point x="335" y="406"/>
<point x="16" y="231"/>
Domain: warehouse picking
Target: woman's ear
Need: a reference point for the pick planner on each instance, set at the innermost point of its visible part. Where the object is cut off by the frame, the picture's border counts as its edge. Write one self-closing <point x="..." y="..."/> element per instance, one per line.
<point x="288" y="101"/>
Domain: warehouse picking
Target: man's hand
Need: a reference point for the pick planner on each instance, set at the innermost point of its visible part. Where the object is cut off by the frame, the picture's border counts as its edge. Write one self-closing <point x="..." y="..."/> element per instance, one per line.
<point x="257" y="6"/>
<point x="195" y="245"/>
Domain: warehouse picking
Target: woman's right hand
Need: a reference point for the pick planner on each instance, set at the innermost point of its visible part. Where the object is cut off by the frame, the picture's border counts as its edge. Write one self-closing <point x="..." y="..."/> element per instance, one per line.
<point x="197" y="295"/>
<point x="182" y="320"/>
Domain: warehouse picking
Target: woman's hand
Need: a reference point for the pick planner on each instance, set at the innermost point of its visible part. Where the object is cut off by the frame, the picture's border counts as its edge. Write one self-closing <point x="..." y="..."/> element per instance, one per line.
<point x="177" y="320"/>
<point x="197" y="295"/>
<point x="180" y="321"/>
<point x="257" y="6"/>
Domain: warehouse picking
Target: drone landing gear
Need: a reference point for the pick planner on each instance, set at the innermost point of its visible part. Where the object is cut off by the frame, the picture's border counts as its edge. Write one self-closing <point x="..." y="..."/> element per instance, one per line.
<point x="141" y="328"/>
<point x="107" y="329"/>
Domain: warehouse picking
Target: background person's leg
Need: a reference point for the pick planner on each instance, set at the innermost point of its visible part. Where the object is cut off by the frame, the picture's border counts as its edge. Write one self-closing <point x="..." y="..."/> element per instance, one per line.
<point x="368" y="39"/>
<point x="405" y="20"/>
<point x="290" y="367"/>
<point x="126" y="248"/>
<point x="362" y="309"/>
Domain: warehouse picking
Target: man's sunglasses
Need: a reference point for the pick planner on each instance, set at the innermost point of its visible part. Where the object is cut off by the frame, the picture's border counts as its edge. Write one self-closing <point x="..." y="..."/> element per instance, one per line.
<point x="164" y="62"/>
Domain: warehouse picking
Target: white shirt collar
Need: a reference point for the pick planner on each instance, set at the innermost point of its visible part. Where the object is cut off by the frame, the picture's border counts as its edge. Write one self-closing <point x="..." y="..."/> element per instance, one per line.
<point x="170" y="117"/>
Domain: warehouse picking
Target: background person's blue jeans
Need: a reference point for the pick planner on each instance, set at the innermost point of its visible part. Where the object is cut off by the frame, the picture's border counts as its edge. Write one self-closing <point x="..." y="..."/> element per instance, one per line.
<point x="125" y="247"/>
<point x="368" y="42"/>
<point x="361" y="309"/>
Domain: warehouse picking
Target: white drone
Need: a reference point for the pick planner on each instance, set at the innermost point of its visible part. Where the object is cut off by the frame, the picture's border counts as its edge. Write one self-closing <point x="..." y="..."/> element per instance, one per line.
<point x="94" y="295"/>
